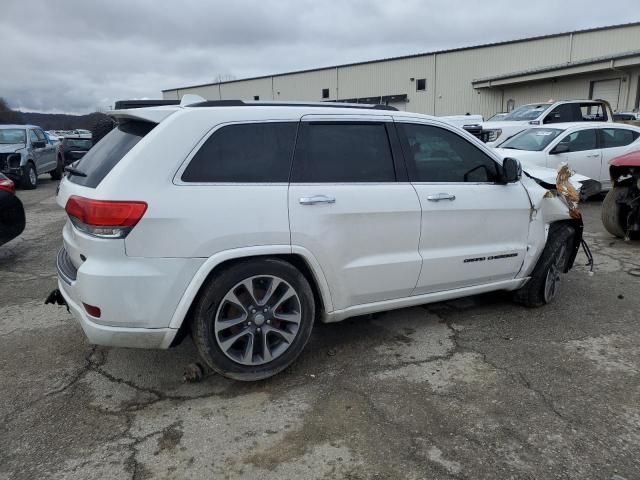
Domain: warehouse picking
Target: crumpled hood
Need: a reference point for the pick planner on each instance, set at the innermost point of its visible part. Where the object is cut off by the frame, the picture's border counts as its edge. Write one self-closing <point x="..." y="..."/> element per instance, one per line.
<point x="11" y="147"/>
<point x="549" y="175"/>
<point x="544" y="174"/>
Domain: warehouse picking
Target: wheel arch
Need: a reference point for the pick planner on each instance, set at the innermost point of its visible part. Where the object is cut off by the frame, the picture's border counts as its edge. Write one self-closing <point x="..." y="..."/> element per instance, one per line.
<point x="299" y="257"/>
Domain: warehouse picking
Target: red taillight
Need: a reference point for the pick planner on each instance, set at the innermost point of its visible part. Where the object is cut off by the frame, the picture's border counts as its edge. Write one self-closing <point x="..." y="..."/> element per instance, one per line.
<point x="104" y="218"/>
<point x="7" y="185"/>
<point x="91" y="310"/>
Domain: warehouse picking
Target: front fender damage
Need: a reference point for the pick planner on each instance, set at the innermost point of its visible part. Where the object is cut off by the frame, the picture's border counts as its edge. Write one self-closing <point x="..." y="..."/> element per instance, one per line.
<point x="550" y="204"/>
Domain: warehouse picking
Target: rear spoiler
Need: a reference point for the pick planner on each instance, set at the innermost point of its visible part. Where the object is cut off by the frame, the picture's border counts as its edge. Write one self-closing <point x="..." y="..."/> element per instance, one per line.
<point x="130" y="104"/>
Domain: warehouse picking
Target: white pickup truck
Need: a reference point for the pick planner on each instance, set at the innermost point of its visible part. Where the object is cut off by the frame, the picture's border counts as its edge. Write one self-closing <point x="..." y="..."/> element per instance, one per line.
<point x="523" y="117"/>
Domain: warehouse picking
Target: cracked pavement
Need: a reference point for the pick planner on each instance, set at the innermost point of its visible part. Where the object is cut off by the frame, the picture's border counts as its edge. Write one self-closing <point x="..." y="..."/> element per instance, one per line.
<point x="469" y="389"/>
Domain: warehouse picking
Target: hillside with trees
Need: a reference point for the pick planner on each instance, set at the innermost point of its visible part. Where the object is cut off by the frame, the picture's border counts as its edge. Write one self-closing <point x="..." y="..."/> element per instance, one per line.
<point x="48" y="121"/>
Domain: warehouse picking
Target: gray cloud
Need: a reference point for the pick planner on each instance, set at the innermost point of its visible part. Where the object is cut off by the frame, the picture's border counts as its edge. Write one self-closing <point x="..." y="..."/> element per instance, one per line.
<point x="76" y="56"/>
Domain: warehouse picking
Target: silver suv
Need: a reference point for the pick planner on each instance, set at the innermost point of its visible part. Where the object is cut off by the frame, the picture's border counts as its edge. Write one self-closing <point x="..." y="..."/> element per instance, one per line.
<point x="26" y="152"/>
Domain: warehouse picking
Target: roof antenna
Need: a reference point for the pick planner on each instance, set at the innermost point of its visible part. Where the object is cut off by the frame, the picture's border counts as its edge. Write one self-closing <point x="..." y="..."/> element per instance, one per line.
<point x="190" y="99"/>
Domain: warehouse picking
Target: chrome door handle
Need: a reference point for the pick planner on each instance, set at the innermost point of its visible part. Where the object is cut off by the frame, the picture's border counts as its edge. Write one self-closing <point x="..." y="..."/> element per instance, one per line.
<point x="317" y="199"/>
<point x="441" y="196"/>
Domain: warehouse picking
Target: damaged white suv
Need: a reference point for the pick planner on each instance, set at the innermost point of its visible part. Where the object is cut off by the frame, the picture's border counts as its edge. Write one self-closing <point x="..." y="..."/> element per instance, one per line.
<point x="243" y="223"/>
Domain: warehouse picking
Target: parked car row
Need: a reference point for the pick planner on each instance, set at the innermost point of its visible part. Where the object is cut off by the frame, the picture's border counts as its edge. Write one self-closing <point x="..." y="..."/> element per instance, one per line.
<point x="77" y="133"/>
<point x="27" y="151"/>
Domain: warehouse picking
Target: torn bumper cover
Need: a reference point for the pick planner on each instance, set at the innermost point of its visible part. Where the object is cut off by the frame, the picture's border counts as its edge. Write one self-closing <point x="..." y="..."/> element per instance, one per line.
<point x="556" y="200"/>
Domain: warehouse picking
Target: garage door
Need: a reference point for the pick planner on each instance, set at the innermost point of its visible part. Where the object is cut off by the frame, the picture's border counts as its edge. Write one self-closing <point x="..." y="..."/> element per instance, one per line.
<point x="608" y="90"/>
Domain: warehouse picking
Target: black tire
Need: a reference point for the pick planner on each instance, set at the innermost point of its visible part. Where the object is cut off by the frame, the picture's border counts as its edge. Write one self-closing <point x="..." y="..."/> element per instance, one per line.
<point x="210" y="304"/>
<point x="29" y="180"/>
<point x="56" y="174"/>
<point x="551" y="264"/>
<point x="613" y="214"/>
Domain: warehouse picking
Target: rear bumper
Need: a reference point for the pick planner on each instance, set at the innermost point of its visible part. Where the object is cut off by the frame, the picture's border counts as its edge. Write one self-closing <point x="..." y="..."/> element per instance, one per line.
<point x="137" y="296"/>
<point x="116" y="336"/>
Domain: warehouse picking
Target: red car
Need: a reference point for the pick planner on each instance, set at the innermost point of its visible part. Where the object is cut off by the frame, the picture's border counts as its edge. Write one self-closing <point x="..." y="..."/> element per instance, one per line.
<point x="621" y="206"/>
<point x="11" y="211"/>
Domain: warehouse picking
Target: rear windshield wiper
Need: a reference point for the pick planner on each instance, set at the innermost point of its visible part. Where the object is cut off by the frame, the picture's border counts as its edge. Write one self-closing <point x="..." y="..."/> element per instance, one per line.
<point x="75" y="171"/>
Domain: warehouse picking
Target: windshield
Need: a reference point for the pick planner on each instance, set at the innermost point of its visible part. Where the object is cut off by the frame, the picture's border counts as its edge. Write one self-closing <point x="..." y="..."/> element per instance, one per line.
<point x="12" y="135"/>
<point x="533" y="139"/>
<point x="527" y="112"/>
<point x="497" y="117"/>
<point x="77" y="143"/>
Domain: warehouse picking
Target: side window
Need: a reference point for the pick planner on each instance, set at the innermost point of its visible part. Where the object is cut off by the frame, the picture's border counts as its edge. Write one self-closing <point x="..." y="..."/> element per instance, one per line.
<point x="568" y="112"/>
<point x="580" y="141"/>
<point x="32" y="136"/>
<point x="435" y="154"/>
<point x="617" y="137"/>
<point x="40" y="135"/>
<point x="343" y="152"/>
<point x="245" y="153"/>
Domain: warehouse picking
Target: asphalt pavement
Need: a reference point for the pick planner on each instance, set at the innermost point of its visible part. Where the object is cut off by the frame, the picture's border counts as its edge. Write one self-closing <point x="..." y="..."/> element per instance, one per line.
<point x="477" y="388"/>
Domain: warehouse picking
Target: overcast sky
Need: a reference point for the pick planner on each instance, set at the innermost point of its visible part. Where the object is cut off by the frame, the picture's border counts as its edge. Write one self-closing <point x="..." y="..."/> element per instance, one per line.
<point x="76" y="56"/>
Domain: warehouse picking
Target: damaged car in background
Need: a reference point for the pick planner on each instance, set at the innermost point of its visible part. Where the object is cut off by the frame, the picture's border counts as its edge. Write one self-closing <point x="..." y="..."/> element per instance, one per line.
<point x="257" y="219"/>
<point x="621" y="206"/>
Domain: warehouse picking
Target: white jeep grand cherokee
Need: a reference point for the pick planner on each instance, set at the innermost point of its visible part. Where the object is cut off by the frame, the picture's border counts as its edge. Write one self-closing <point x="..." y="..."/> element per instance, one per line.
<point x="243" y="223"/>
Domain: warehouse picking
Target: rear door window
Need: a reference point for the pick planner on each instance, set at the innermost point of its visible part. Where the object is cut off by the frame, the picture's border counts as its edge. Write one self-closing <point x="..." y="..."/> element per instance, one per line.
<point x="106" y="154"/>
<point x="343" y="152"/>
<point x="245" y="153"/>
<point x="617" y="137"/>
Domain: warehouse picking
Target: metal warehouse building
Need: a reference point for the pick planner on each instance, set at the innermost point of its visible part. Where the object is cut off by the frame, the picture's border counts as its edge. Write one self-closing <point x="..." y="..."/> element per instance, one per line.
<point x="596" y="63"/>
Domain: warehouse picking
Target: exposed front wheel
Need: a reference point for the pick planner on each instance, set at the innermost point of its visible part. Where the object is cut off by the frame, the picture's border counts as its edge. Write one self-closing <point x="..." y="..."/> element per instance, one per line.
<point x="29" y="179"/>
<point x="253" y="319"/>
<point x="544" y="284"/>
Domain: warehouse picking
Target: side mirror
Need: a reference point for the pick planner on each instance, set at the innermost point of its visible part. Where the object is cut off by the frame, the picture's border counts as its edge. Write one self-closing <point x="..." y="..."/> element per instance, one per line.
<point x="560" y="148"/>
<point x="511" y="170"/>
<point x="38" y="144"/>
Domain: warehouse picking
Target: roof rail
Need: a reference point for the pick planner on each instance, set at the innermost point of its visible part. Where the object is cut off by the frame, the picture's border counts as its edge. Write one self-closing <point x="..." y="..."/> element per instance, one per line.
<point x="242" y="103"/>
<point x="127" y="104"/>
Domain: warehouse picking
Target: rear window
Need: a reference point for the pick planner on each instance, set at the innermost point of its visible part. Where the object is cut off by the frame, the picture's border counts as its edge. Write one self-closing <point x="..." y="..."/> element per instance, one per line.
<point x="245" y="153"/>
<point x="77" y="143"/>
<point x="106" y="154"/>
<point x="617" y="137"/>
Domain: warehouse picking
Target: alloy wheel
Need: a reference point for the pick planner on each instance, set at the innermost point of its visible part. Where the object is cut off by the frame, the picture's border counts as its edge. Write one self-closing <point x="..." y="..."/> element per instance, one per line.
<point x="258" y="320"/>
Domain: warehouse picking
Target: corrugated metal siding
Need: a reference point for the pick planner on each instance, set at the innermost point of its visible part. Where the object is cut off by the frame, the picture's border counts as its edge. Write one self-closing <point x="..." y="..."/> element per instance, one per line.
<point x="456" y="71"/>
<point x="170" y="95"/>
<point x="605" y="42"/>
<point x="246" y="90"/>
<point x="306" y="86"/>
<point x="578" y="87"/>
<point x="449" y="76"/>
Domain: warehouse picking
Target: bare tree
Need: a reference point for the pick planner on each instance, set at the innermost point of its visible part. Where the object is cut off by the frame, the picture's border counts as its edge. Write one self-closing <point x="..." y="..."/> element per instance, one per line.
<point x="223" y="77"/>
